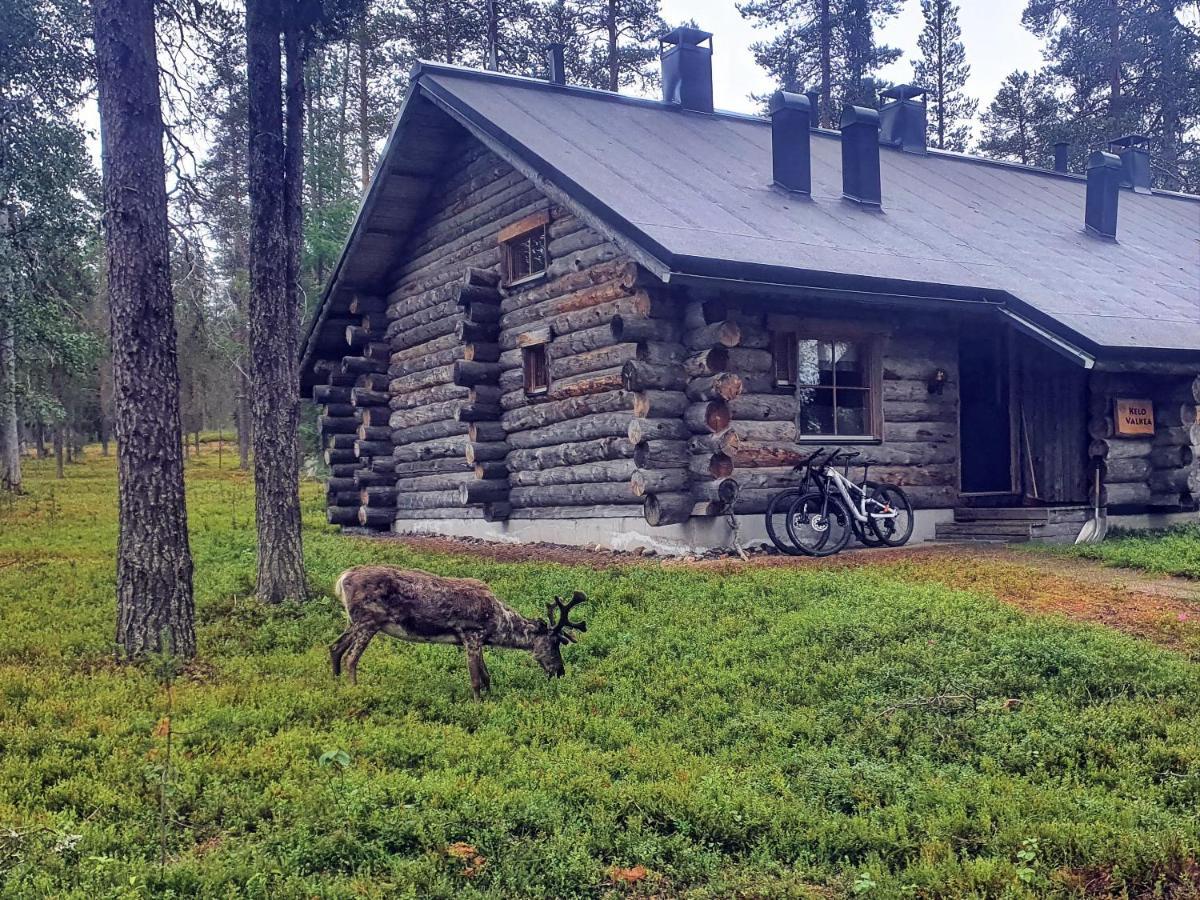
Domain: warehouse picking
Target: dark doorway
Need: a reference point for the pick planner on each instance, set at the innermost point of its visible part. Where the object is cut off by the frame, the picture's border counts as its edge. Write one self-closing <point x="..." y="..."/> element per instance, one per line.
<point x="985" y="424"/>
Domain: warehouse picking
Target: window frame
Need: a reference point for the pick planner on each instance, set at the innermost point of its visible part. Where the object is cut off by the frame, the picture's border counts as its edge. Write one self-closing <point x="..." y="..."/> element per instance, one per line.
<point x="534" y="354"/>
<point x="871" y="346"/>
<point x="511" y="236"/>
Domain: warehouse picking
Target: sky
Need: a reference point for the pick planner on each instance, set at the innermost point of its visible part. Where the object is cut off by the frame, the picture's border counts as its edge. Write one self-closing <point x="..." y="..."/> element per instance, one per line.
<point x="995" y="41"/>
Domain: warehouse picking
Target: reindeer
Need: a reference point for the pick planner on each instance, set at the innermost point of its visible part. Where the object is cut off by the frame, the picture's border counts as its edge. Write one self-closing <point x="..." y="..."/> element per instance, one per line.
<point x="417" y="606"/>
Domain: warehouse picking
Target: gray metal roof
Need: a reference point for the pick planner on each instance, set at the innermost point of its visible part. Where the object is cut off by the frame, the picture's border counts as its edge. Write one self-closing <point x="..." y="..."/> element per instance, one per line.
<point x="694" y="192"/>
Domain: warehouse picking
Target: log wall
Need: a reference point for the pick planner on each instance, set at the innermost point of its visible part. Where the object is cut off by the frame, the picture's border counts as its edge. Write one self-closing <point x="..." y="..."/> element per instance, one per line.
<point x="1159" y="471"/>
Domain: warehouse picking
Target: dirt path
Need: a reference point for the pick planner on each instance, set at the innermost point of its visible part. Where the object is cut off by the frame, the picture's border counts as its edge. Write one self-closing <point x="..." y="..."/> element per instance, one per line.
<point x="1160" y="609"/>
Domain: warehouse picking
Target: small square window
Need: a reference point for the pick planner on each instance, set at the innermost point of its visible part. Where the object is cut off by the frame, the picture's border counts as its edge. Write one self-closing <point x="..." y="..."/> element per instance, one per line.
<point x="537" y="369"/>
<point x="525" y="250"/>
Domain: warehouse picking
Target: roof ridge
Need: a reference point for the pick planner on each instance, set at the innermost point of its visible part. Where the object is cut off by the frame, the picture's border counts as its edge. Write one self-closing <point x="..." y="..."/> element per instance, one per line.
<point x="433" y="67"/>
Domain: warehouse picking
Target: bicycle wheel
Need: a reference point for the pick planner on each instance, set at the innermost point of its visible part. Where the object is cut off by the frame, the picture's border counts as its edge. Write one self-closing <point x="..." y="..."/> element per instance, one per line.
<point x="890" y="513"/>
<point x="819" y="525"/>
<point x="776" y="516"/>
<point x="865" y="533"/>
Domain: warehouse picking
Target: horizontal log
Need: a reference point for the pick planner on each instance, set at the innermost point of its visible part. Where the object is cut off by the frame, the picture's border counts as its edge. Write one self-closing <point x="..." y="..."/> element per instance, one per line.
<point x="345" y="470"/>
<point x="474" y="492"/>
<point x="422" y="467"/>
<point x="405" y="384"/>
<point x="377" y="496"/>
<point x="467" y="373"/>
<point x="704" y="466"/>
<point x="708" y="416"/>
<point x="1170" y="457"/>
<point x="1167" y="481"/>
<point x="346" y="483"/>
<point x="477" y="412"/>
<point x="439" y="448"/>
<point x="437" y="393"/>
<point x="639" y="430"/>
<point x="423" y="415"/>
<point x="724" y="334"/>
<point x="659" y="404"/>
<point x="374" y="433"/>
<point x="745" y="360"/>
<point x="640" y="329"/>
<point x="341" y="498"/>
<point x="361" y="364"/>
<point x="726" y="441"/>
<point x="324" y="393"/>
<point x="427" y="499"/>
<point x="357" y="336"/>
<point x="1126" y="470"/>
<point x="659" y="454"/>
<point x="337" y="424"/>
<point x="612" y="356"/>
<point x="481" y="351"/>
<point x="497" y="511"/>
<point x="473" y="275"/>
<point x="341" y="515"/>
<point x="340" y="441"/>
<point x="668" y="508"/>
<point x="377" y="518"/>
<point x="373" y="381"/>
<point x="1119" y="448"/>
<point x="614" y="470"/>
<point x="723" y="386"/>
<point x="572" y="495"/>
<point x="366" y="397"/>
<point x="571" y="454"/>
<point x="658" y="481"/>
<point x="583" y="428"/>
<point x="1135" y="493"/>
<point x="491" y="471"/>
<point x="476" y="332"/>
<point x="764" y="407"/>
<point x="372" y="448"/>
<point x="337" y="410"/>
<point x="433" y="431"/>
<point x="366" y="478"/>
<point x="439" y="481"/>
<point x="475" y="295"/>
<point x="376" y="417"/>
<point x="477" y="452"/>
<point x="710" y="361"/>
<point x="642" y="376"/>
<point x="367" y="304"/>
<point x="550" y="412"/>
<point x="486" y="432"/>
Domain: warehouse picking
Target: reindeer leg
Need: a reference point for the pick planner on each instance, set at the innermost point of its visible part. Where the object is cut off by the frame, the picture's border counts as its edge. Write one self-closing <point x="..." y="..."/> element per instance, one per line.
<point x="484" y="673"/>
<point x="473" y="644"/>
<point x="338" y="649"/>
<point x="362" y="637"/>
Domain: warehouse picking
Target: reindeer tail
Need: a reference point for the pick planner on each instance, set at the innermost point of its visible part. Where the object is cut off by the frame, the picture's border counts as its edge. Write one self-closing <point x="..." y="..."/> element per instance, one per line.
<point x="339" y="588"/>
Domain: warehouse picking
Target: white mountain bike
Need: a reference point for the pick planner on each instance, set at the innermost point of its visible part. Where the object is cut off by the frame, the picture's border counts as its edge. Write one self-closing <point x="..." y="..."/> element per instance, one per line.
<point x="821" y="521"/>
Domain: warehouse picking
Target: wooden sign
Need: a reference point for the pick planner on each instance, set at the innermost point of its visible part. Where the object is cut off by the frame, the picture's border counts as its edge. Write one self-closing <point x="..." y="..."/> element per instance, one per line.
<point x="1133" y="418"/>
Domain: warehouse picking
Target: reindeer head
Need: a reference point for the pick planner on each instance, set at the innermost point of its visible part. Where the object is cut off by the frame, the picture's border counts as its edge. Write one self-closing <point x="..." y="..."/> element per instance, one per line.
<point x="547" y="646"/>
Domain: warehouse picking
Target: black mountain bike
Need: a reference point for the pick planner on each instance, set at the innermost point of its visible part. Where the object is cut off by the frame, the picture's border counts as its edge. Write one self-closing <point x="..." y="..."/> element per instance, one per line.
<point x="821" y="521"/>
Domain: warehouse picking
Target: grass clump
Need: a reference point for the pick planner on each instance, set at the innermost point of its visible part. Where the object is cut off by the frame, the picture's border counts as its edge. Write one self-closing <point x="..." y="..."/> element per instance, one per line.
<point x="1171" y="551"/>
<point x="775" y="732"/>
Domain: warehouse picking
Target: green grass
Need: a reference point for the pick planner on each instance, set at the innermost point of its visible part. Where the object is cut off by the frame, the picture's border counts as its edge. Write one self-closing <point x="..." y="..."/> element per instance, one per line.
<point x="737" y="735"/>
<point x="1174" y="551"/>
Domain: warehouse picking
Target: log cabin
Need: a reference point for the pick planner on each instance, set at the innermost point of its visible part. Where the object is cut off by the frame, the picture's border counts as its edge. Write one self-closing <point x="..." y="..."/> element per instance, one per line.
<point x="568" y="315"/>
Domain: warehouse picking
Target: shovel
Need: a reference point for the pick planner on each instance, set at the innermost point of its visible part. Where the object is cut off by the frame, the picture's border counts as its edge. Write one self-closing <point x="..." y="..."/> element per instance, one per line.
<point x="1095" y="528"/>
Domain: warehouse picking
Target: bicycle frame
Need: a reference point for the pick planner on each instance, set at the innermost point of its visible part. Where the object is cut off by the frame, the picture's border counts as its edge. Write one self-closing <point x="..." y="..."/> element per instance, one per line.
<point x="844" y="486"/>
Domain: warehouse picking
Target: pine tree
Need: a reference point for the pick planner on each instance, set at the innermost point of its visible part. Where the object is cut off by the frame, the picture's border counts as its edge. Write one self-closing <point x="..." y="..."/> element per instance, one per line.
<point x="1126" y="66"/>
<point x="829" y="43"/>
<point x="155" y="610"/>
<point x="943" y="71"/>
<point x="623" y="37"/>
<point x="1021" y="123"/>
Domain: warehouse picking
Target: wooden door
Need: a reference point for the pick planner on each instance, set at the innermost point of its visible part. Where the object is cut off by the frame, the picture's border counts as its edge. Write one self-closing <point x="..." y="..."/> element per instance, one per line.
<point x="985" y="413"/>
<point x="1051" y="402"/>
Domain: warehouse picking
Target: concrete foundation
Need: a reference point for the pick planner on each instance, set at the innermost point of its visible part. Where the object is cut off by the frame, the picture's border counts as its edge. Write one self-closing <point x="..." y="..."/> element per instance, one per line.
<point x="631" y="532"/>
<point x="1153" y="520"/>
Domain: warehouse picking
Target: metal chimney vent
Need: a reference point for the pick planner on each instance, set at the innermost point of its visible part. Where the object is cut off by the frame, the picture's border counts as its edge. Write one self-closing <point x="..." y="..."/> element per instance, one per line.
<point x="1103" y="191"/>
<point x="1062" y="155"/>
<point x="1135" y="161"/>
<point x="791" y="162"/>
<point x="902" y="118"/>
<point x="860" y="155"/>
<point x="556" y="68"/>
<point x="687" y="69"/>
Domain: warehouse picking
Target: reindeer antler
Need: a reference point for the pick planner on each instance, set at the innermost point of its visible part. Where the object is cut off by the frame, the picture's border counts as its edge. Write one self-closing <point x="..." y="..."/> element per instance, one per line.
<point x="564" y="616"/>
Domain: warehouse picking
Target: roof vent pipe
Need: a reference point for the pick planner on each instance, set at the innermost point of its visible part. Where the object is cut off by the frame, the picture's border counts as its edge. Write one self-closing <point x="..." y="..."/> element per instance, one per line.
<point x="1135" y="161"/>
<point x="1103" y="190"/>
<point x="902" y="118"/>
<point x="555" y="65"/>
<point x="814" y="106"/>
<point x="687" y="68"/>
<point x="791" y="163"/>
<point x="1062" y="155"/>
<point x="860" y="155"/>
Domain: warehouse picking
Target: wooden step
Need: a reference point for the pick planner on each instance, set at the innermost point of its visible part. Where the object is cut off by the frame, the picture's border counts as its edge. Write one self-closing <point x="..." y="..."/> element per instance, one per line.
<point x="985" y="531"/>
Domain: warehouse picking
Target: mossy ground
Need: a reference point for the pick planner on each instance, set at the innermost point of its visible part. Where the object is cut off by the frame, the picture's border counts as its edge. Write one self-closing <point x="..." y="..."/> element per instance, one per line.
<point x="758" y="733"/>
<point x="1175" y="551"/>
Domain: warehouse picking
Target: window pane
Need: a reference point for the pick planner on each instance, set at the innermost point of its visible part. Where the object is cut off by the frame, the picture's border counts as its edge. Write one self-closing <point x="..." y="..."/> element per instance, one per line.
<point x="849" y="361"/>
<point x="852" y="412"/>
<point x="537" y="251"/>
<point x="815" y="412"/>
<point x="519" y="254"/>
<point x="808" y="368"/>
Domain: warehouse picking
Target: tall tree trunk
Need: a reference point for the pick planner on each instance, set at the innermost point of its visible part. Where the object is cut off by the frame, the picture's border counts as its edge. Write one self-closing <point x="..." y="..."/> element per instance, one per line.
<point x="364" y="134"/>
<point x="826" y="50"/>
<point x="274" y="316"/>
<point x="614" y="69"/>
<point x="59" y="447"/>
<point x="10" y="437"/>
<point x="155" y="610"/>
<point x="244" y="419"/>
<point x="41" y="440"/>
<point x="1114" y="63"/>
